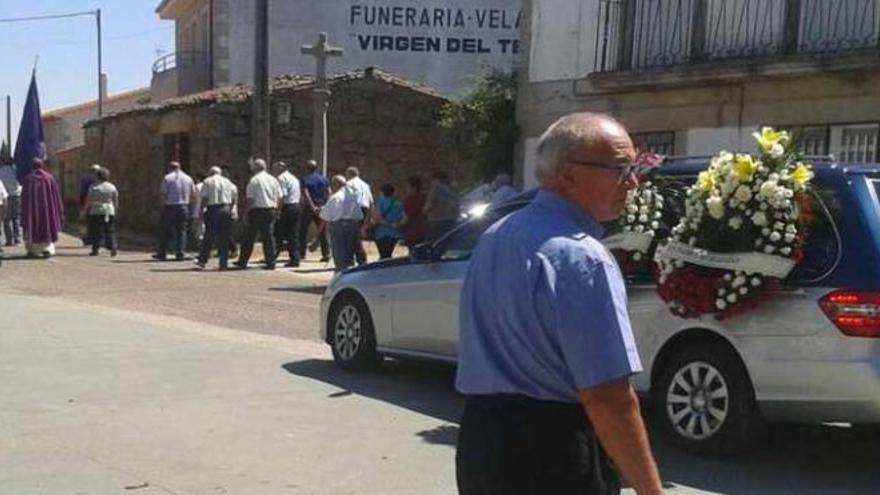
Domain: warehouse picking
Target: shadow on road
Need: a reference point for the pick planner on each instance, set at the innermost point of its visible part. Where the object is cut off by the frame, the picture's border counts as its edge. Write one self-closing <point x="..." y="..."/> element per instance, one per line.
<point x="425" y="389"/>
<point x="316" y="289"/>
<point x="797" y="459"/>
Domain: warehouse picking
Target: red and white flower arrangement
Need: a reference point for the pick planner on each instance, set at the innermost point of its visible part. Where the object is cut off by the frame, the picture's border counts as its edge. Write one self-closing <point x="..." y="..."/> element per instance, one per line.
<point x="742" y="232"/>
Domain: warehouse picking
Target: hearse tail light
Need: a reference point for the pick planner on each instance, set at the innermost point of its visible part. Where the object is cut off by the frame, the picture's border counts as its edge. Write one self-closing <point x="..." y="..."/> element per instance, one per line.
<point x="856" y="314"/>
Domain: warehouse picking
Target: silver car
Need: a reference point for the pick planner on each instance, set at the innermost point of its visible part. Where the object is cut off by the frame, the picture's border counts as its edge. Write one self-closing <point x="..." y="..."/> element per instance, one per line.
<point x="713" y="385"/>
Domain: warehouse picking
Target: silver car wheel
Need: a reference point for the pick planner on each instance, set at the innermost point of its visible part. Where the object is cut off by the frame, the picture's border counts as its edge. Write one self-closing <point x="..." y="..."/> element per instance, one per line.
<point x="697" y="401"/>
<point x="347" y="332"/>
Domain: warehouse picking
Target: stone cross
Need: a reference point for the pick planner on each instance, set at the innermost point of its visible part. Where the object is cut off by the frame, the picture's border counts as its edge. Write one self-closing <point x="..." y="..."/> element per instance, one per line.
<point x="322" y="50"/>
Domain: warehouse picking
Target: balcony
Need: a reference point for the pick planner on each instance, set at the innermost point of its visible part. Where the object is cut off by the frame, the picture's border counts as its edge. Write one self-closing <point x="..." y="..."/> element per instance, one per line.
<point x="180" y="73"/>
<point x="644" y="37"/>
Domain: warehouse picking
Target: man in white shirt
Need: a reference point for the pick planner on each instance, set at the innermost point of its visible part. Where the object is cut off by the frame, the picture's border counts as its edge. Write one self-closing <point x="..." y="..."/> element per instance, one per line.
<point x="177" y="193"/>
<point x="263" y="196"/>
<point x="287" y="227"/>
<point x="365" y="199"/>
<point x="218" y="200"/>
<point x="12" y="216"/>
<point x="342" y="217"/>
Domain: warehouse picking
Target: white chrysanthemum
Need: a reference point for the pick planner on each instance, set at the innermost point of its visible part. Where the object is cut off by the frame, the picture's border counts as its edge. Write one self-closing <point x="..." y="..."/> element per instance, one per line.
<point x="775" y="237"/>
<point x="764" y="206"/>
<point x="630" y="218"/>
<point x="631" y="208"/>
<point x="655" y="225"/>
<point x="743" y="290"/>
<point x="777" y="151"/>
<point x="639" y="228"/>
<point x="637" y="256"/>
<point x="759" y="219"/>
<point x="735" y="223"/>
<point x="769" y="188"/>
<point x="727" y="277"/>
<point x="721" y="304"/>
<point x="759" y="242"/>
<point x="732" y="298"/>
<point x="643" y="218"/>
<point x="769" y="249"/>
<point x="789" y="238"/>
<point x="765" y="232"/>
<point x="785" y="250"/>
<point x="715" y="205"/>
<point x="756" y="282"/>
<point x="743" y="193"/>
<point x="791" y="228"/>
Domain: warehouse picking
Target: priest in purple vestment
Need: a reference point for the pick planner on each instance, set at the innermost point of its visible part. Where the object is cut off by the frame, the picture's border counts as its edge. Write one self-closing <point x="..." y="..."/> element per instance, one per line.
<point x="42" y="211"/>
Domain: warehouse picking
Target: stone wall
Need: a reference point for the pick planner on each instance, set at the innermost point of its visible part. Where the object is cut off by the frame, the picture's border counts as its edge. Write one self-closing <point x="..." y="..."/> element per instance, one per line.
<point x="384" y="127"/>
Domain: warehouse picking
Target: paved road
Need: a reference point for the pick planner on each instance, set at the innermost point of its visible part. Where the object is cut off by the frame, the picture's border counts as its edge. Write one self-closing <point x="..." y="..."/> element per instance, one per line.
<point x="283" y="302"/>
<point x="110" y="386"/>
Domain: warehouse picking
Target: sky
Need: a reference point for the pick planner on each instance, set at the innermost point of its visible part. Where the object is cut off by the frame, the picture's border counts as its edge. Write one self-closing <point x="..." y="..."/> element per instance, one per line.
<point x="66" y="51"/>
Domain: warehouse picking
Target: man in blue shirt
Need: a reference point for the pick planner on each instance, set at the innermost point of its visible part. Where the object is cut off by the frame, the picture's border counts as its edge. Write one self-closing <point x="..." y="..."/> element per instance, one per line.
<point x="546" y="348"/>
<point x="316" y="190"/>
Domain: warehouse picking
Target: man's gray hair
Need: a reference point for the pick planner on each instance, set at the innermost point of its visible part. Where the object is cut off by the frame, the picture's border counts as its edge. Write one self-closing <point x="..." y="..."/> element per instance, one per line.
<point x="95" y="167"/>
<point x="352" y="172"/>
<point x="279" y="165"/>
<point x="174" y="165"/>
<point x="215" y="170"/>
<point x="258" y="165"/>
<point x="338" y="181"/>
<point x="564" y="137"/>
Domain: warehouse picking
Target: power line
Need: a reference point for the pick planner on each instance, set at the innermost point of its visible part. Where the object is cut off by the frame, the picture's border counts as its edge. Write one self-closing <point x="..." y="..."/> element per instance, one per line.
<point x="47" y="17"/>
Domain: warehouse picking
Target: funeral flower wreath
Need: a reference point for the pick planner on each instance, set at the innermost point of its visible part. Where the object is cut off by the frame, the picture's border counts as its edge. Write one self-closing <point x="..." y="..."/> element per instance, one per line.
<point x="742" y="232"/>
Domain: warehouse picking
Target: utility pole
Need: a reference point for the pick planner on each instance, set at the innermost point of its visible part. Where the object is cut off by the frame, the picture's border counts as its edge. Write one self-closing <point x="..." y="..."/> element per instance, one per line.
<point x="322" y="50"/>
<point x="100" y="68"/>
<point x="260" y="120"/>
<point x="9" y="123"/>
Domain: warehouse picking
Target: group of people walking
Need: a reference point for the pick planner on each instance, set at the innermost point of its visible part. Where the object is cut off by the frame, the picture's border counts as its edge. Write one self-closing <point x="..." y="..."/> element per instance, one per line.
<point x="280" y="209"/>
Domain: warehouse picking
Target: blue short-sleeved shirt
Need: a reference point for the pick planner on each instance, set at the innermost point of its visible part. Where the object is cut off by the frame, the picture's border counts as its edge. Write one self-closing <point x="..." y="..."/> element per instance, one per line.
<point x="317" y="186"/>
<point x="391" y="211"/>
<point x="543" y="307"/>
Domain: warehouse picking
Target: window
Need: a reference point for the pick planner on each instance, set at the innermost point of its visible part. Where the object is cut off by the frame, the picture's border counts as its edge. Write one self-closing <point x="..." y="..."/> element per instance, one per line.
<point x="811" y="140"/>
<point x="857" y="143"/>
<point x="458" y="245"/>
<point x="661" y="143"/>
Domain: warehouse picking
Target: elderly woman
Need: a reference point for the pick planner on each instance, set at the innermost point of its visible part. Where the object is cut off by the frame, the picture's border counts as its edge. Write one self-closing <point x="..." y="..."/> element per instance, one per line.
<point x="102" y="203"/>
<point x="389" y="218"/>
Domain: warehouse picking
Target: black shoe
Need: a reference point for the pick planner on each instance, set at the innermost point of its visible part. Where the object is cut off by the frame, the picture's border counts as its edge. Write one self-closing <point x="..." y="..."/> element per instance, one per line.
<point x="9" y="243"/>
<point x="240" y="265"/>
<point x="93" y="253"/>
<point x="179" y="257"/>
<point x="269" y="267"/>
<point x="325" y="259"/>
<point x="292" y="264"/>
<point x="113" y="253"/>
<point x="200" y="264"/>
<point x="160" y="257"/>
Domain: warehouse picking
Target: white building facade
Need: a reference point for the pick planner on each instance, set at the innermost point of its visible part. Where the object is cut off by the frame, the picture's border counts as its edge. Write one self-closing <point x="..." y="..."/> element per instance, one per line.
<point x="442" y="43"/>
<point x="692" y="77"/>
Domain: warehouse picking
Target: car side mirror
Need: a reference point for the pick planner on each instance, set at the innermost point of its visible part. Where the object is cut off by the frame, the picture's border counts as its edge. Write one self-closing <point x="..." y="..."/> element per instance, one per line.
<point x="423" y="252"/>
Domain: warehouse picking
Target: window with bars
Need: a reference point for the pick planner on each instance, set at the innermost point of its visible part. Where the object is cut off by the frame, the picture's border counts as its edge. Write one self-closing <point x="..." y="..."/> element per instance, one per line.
<point x="858" y="143"/>
<point x="661" y="143"/>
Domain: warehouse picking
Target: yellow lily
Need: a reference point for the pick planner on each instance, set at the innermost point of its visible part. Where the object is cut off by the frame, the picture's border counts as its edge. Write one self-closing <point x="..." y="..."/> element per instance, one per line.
<point x="768" y="137"/>
<point x="744" y="168"/>
<point x="801" y="175"/>
<point x="706" y="182"/>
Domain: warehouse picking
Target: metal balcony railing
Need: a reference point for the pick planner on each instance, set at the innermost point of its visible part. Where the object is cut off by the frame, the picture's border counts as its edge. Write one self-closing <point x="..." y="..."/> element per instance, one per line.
<point x="179" y="59"/>
<point x="639" y="35"/>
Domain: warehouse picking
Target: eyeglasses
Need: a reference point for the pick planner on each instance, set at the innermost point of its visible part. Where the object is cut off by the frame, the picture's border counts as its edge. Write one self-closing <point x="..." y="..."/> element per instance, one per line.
<point x="623" y="170"/>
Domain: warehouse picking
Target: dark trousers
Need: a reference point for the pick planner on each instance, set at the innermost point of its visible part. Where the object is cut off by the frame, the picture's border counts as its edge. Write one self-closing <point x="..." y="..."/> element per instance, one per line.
<point x="386" y="247"/>
<point x="361" y="253"/>
<point x="260" y="221"/>
<point x="12" y="220"/>
<point x="102" y="228"/>
<point x="287" y="231"/>
<point x="218" y="224"/>
<point x="173" y="227"/>
<point x="344" y="239"/>
<point x="515" y="445"/>
<point x="308" y="218"/>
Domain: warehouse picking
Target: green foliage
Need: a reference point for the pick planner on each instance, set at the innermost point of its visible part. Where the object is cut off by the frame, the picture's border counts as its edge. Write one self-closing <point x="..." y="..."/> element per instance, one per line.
<point x="484" y="122"/>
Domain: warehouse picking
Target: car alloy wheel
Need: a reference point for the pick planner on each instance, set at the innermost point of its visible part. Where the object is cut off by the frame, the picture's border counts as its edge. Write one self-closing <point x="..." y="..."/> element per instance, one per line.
<point x="347" y="334"/>
<point x="697" y="401"/>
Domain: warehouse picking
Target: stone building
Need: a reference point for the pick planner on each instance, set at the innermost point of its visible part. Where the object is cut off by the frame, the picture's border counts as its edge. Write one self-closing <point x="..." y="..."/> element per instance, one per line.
<point x="442" y="43"/>
<point x="384" y="125"/>
<point x="63" y="126"/>
<point x="690" y="77"/>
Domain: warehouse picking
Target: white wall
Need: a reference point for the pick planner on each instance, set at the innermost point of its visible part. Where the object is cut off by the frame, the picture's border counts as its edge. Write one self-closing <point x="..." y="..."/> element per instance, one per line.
<point x="489" y="26"/>
<point x="563" y="39"/>
<point x="707" y="141"/>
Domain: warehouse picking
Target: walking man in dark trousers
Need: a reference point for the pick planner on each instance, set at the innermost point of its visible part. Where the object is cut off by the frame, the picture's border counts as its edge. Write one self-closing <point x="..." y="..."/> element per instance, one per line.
<point x="177" y="193"/>
<point x="218" y="199"/>
<point x="546" y="349"/>
<point x="315" y="190"/>
<point x="287" y="228"/>
<point x="263" y="197"/>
